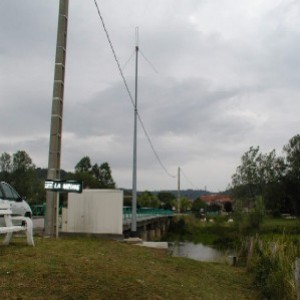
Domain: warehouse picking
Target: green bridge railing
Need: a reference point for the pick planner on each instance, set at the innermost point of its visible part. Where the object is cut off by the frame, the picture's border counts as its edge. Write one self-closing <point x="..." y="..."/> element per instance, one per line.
<point x="39" y="210"/>
<point x="145" y="211"/>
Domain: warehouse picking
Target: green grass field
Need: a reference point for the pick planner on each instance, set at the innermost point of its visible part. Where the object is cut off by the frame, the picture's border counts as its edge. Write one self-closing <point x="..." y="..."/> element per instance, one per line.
<point x="91" y="268"/>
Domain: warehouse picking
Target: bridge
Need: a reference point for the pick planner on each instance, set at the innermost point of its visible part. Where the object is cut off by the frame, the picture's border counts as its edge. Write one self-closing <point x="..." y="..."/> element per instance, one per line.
<point x="152" y="224"/>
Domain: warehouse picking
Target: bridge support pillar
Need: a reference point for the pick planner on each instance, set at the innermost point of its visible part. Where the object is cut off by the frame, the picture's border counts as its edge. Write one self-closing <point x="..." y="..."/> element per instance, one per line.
<point x="154" y="229"/>
<point x="158" y="232"/>
<point x="143" y="233"/>
<point x="151" y="234"/>
<point x="163" y="229"/>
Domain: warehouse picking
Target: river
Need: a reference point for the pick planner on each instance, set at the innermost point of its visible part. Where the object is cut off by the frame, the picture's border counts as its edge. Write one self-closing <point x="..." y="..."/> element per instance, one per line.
<point x="200" y="252"/>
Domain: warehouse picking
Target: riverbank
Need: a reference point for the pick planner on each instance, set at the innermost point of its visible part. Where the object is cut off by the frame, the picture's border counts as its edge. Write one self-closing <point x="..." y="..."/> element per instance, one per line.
<point x="268" y="251"/>
<point x="91" y="268"/>
<point x="228" y="235"/>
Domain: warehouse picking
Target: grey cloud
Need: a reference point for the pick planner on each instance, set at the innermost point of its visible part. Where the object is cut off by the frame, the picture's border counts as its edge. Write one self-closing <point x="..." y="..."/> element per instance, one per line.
<point x="27" y="24"/>
<point x="219" y="89"/>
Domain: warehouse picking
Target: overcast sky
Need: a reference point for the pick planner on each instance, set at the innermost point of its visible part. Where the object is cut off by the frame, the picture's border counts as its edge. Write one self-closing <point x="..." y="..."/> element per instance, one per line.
<point x="223" y="76"/>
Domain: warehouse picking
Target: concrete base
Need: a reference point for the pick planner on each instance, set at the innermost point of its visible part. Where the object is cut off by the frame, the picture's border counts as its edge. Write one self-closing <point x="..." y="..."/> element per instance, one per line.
<point x="133" y="240"/>
<point x="118" y="237"/>
<point x="156" y="245"/>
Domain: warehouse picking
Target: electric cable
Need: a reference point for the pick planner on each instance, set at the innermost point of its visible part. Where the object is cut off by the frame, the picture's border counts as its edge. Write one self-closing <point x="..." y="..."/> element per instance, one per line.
<point x="128" y="90"/>
<point x="188" y="180"/>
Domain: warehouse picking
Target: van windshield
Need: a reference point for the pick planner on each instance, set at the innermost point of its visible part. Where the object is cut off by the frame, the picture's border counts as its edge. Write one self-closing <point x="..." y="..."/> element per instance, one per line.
<point x="10" y="193"/>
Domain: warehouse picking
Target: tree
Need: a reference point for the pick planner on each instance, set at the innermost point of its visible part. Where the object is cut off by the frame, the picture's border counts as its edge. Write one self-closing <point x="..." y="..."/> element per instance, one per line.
<point x="83" y="172"/>
<point x="292" y="150"/>
<point x="292" y="178"/>
<point x="105" y="176"/>
<point x="246" y="175"/>
<point x="89" y="181"/>
<point x="251" y="221"/>
<point x="5" y="162"/>
<point x="147" y="199"/>
<point x="167" y="199"/>
<point x="96" y="171"/>
<point x="185" y="204"/>
<point x="84" y="165"/>
<point x="19" y="170"/>
<point x="257" y="176"/>
<point x="22" y="162"/>
<point x="198" y="204"/>
<point x="257" y="214"/>
<point x="23" y="176"/>
<point x="93" y="176"/>
<point x="228" y="206"/>
<point x="5" y="166"/>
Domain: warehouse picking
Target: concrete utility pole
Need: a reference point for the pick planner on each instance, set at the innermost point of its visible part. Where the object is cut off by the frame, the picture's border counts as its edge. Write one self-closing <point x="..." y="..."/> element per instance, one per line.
<point x="178" y="190"/>
<point x="51" y="224"/>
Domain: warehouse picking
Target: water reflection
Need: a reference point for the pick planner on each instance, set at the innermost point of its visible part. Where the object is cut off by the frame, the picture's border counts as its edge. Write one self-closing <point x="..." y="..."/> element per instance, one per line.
<point x="197" y="252"/>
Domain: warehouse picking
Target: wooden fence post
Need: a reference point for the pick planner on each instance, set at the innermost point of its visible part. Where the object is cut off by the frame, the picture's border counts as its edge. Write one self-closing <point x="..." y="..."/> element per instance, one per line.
<point x="297" y="277"/>
<point x="250" y="251"/>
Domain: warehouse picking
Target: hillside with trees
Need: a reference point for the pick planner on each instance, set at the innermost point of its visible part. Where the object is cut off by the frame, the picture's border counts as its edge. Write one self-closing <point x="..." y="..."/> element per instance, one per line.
<point x="19" y="170"/>
<point x="262" y="179"/>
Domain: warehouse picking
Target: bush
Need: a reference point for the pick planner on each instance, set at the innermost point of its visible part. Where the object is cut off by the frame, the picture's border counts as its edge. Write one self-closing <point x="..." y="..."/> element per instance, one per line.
<point x="257" y="215"/>
<point x="178" y="226"/>
<point x="189" y="228"/>
<point x="249" y="222"/>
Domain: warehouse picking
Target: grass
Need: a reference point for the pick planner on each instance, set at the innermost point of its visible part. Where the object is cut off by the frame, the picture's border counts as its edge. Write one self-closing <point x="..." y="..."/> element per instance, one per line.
<point x="91" y="268"/>
<point x="280" y="226"/>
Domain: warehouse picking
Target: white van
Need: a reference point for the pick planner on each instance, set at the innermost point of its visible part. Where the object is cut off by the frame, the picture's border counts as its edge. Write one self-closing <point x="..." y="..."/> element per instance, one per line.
<point x="17" y="204"/>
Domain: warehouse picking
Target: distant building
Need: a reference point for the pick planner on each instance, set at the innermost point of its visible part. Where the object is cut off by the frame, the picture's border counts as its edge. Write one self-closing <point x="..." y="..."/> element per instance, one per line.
<point x="223" y="201"/>
<point x="216" y="198"/>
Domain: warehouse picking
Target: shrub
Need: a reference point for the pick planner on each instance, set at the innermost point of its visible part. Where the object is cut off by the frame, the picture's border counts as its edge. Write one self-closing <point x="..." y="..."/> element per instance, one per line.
<point x="249" y="222"/>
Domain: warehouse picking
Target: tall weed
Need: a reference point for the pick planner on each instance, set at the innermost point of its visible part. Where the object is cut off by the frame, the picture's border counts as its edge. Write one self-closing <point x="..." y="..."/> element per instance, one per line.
<point x="272" y="265"/>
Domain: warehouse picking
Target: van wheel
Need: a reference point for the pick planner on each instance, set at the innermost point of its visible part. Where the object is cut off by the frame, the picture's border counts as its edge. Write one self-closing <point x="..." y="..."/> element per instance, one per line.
<point x="28" y="214"/>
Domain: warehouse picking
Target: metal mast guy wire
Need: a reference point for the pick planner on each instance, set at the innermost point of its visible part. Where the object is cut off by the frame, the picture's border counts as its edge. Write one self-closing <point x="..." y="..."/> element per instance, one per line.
<point x="129" y="93"/>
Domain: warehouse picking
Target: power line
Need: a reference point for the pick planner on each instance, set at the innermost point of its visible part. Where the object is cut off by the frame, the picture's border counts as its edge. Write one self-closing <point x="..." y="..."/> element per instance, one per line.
<point x="128" y="90"/>
<point x="190" y="182"/>
<point x="153" y="149"/>
<point x="114" y="53"/>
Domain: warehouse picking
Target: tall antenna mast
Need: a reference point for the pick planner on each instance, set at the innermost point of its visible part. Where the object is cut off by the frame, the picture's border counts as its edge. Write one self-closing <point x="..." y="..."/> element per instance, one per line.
<point x="178" y="190"/>
<point x="134" y="200"/>
<point x="51" y="222"/>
